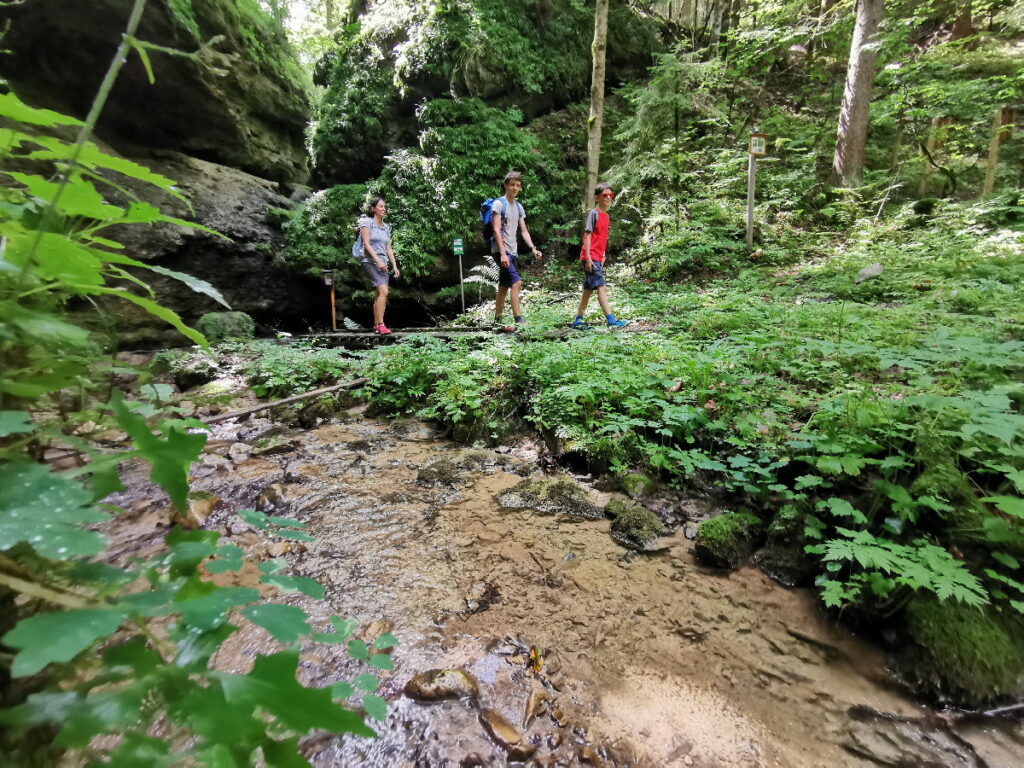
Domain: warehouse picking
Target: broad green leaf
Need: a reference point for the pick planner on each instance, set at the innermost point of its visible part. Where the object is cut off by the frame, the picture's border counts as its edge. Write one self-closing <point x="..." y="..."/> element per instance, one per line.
<point x="43" y="509"/>
<point x="169" y="457"/>
<point x="90" y="156"/>
<point x="1005" y="559"/>
<point x="375" y="707"/>
<point x="102" y="711"/>
<point x="301" y="584"/>
<point x="1010" y="505"/>
<point x="271" y="685"/>
<point x="15" y="423"/>
<point x="343" y="630"/>
<point x="58" y="636"/>
<point x="78" y="197"/>
<point x="366" y="682"/>
<point x="342" y="690"/>
<point x="210" y="611"/>
<point x="57" y="257"/>
<point x="357" y="650"/>
<point x="14" y="108"/>
<point x="387" y="640"/>
<point x="286" y="623"/>
<point x="229" y="558"/>
<point x="284" y="754"/>
<point x="196" y="284"/>
<point x="381" y="661"/>
<point x="830" y="465"/>
<point x="161" y="312"/>
<point x="807" y="481"/>
<point x="45" y="707"/>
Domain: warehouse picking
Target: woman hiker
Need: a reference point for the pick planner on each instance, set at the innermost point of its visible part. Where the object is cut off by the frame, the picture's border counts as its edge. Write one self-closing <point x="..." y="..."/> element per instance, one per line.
<point x="373" y="248"/>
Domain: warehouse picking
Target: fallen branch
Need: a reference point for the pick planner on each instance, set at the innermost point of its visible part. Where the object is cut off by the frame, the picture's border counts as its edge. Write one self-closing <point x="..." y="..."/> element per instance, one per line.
<point x="293" y="399"/>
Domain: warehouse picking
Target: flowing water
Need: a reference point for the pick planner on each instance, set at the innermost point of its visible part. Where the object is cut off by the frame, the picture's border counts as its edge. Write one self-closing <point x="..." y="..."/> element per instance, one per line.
<point x="593" y="655"/>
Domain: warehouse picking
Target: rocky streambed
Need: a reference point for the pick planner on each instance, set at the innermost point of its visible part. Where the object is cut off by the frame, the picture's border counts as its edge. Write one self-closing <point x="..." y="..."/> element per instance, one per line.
<point x="527" y="634"/>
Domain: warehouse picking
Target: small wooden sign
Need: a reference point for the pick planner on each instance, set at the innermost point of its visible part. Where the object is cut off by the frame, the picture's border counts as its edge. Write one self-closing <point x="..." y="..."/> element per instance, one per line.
<point x="758" y="144"/>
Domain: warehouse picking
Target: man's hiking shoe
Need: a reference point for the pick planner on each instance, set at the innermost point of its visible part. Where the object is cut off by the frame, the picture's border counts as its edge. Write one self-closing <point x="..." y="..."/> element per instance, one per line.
<point x="506" y="328"/>
<point x="618" y="323"/>
<point x="579" y="325"/>
<point x="381" y="330"/>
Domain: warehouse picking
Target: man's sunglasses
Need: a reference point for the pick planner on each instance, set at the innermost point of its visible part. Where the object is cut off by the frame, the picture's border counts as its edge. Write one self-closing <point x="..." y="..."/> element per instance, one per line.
<point x="607" y="194"/>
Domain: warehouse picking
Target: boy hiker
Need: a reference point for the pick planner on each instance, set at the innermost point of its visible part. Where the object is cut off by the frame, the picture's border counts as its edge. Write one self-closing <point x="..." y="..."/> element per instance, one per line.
<point x="508" y="219"/>
<point x="595" y="240"/>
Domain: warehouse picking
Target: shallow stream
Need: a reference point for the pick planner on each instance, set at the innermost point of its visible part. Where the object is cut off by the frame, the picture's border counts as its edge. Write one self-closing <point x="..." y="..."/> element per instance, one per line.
<point x="591" y="654"/>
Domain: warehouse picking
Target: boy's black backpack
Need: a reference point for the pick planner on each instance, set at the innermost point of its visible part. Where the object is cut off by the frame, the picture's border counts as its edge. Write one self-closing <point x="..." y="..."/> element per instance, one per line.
<point x="486" y="214"/>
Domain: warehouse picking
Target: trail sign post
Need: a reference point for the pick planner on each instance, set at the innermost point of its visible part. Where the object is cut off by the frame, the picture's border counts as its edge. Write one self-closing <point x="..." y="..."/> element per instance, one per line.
<point x="758" y="147"/>
<point x="329" y="280"/>
<point x="457" y="250"/>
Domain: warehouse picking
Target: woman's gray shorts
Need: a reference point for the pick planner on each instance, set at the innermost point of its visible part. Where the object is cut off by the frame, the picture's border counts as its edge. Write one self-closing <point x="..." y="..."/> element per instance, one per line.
<point x="377" y="276"/>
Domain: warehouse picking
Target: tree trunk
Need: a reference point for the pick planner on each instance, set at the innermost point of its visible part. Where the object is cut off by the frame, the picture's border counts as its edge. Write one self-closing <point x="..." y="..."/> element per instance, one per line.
<point x="963" y="25"/>
<point x="1001" y="124"/>
<point x="596" y="118"/>
<point x="848" y="163"/>
<point x="935" y="140"/>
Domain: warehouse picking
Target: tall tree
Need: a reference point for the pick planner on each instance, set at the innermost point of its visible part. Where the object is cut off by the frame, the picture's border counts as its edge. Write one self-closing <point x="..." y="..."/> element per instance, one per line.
<point x="848" y="163"/>
<point x="594" y="123"/>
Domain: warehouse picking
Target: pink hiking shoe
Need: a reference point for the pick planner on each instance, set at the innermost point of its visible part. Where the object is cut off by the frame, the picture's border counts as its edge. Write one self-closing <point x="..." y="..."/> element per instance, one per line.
<point x="381" y="329"/>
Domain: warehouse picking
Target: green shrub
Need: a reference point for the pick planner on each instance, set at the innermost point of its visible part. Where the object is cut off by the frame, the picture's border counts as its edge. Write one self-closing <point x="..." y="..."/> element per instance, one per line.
<point x="221" y="326"/>
<point x="284" y="370"/>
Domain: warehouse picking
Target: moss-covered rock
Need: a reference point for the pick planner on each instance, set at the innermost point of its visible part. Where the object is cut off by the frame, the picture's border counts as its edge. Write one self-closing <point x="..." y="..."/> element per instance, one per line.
<point x="188" y="368"/>
<point x="221" y="326"/>
<point x="783" y="557"/>
<point x="966" y="655"/>
<point x="726" y="541"/>
<point x="637" y="484"/>
<point x="551" y="496"/>
<point x="633" y="526"/>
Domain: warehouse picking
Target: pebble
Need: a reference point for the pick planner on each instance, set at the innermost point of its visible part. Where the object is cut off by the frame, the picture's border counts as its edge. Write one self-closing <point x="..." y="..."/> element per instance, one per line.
<point x="506" y="735"/>
<point x="437" y="684"/>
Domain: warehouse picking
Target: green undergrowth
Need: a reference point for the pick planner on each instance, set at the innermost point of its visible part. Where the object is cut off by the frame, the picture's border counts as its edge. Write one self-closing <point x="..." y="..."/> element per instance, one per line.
<point x="883" y="415"/>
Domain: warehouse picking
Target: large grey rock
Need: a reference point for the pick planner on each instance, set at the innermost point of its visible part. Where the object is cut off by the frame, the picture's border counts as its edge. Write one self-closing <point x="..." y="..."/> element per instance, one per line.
<point x="231" y="104"/>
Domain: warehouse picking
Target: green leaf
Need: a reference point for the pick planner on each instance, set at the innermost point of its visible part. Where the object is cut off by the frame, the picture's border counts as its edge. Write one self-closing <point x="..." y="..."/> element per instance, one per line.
<point x="78" y="197"/>
<point x="230" y="558"/>
<point x="830" y="465"/>
<point x="343" y="630"/>
<point x="284" y="754"/>
<point x="14" y="108"/>
<point x="375" y="707"/>
<point x="15" y="423"/>
<point x="357" y="650"/>
<point x="43" y="509"/>
<point x="170" y="457"/>
<point x="160" y="312"/>
<point x="196" y="284"/>
<point x="807" y="481"/>
<point x="286" y="623"/>
<point x="366" y="682"/>
<point x="381" y="661"/>
<point x="210" y="611"/>
<point x="1004" y="559"/>
<point x="58" y="636"/>
<point x="342" y="690"/>
<point x="271" y="685"/>
<point x="1010" y="505"/>
<point x="387" y="640"/>
<point x="301" y="584"/>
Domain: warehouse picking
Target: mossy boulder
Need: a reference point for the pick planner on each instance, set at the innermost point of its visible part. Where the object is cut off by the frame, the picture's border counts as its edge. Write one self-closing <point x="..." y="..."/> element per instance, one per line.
<point x="551" y="496"/>
<point x="965" y="655"/>
<point x="726" y="541"/>
<point x="637" y="484"/>
<point x="221" y="326"/>
<point x="783" y="557"/>
<point x="188" y="368"/>
<point x="633" y="526"/>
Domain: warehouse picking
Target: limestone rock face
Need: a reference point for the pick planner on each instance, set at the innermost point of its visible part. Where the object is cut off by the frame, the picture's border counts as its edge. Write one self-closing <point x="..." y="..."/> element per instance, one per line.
<point x="242" y="264"/>
<point x="239" y="103"/>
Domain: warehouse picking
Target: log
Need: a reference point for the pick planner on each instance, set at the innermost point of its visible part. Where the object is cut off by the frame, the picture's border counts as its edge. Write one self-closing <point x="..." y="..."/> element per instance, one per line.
<point x="293" y="399"/>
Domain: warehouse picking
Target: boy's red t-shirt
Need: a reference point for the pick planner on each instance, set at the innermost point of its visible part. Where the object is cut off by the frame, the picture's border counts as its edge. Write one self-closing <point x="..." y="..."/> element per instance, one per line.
<point x="597" y="226"/>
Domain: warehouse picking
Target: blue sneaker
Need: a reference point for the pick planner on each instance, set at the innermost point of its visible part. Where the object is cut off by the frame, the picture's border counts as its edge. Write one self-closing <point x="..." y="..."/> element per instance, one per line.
<point x="613" y="323"/>
<point x="579" y="325"/>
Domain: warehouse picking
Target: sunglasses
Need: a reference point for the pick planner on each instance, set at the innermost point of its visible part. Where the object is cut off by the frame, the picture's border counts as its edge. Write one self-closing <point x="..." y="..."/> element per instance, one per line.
<point x="607" y="194"/>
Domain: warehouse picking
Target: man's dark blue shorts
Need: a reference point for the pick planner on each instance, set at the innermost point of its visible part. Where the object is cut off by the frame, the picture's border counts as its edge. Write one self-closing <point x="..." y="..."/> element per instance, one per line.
<point x="595" y="279"/>
<point x="510" y="276"/>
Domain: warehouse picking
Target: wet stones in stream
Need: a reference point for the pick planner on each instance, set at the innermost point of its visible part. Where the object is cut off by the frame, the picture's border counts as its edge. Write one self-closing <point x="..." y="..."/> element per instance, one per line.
<point x="888" y="740"/>
<point x="551" y="496"/>
<point x="439" y="684"/>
